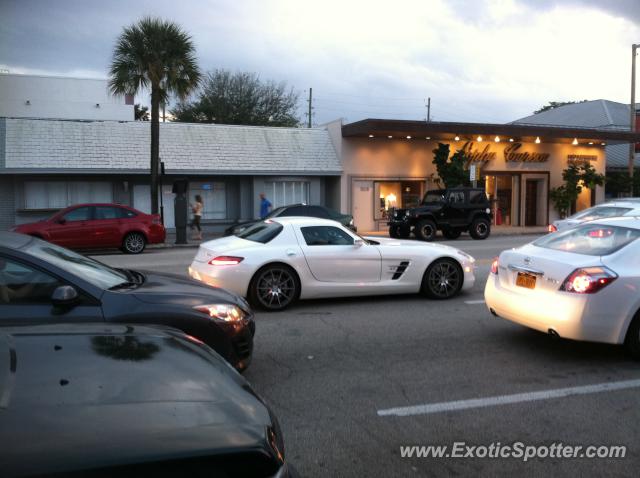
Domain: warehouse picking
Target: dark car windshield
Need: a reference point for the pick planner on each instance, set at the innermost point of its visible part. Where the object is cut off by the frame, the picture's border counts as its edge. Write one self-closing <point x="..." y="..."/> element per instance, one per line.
<point x="263" y="231"/>
<point x="94" y="272"/>
<point x="276" y="212"/>
<point x="590" y="239"/>
<point x="433" y="197"/>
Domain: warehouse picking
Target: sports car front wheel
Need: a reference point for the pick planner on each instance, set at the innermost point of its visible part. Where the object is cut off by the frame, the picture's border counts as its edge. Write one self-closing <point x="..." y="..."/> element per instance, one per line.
<point x="443" y="279"/>
<point x="274" y="287"/>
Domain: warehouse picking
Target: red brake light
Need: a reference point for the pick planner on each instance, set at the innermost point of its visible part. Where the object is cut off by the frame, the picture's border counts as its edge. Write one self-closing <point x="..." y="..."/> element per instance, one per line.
<point x="494" y="266"/>
<point x="552" y="228"/>
<point x="588" y="280"/>
<point x="226" y="261"/>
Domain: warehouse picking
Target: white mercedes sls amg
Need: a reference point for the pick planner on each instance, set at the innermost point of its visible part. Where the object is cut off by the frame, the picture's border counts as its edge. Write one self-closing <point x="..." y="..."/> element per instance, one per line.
<point x="277" y="261"/>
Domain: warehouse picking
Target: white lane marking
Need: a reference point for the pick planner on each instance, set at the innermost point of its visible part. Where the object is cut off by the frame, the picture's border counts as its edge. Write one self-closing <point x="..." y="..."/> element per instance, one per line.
<point x="473" y="302"/>
<point x="508" y="399"/>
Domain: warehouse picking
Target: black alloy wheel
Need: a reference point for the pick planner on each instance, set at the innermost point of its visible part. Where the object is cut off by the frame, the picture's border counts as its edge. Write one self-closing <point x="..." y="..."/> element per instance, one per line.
<point x="274" y="287"/>
<point x="134" y="243"/>
<point x="443" y="279"/>
<point x="425" y="230"/>
<point x="480" y="229"/>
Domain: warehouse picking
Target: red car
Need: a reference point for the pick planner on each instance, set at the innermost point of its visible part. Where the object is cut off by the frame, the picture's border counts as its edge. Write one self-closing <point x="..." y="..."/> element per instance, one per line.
<point x="98" y="226"/>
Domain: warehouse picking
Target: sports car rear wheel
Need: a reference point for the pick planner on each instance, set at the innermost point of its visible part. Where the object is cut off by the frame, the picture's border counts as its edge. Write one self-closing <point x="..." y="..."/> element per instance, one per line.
<point x="443" y="279"/>
<point x="274" y="287"/>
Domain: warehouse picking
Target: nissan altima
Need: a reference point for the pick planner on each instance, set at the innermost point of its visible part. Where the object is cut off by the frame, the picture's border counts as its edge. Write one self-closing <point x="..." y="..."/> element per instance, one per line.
<point x="280" y="260"/>
<point x="44" y="283"/>
<point x="582" y="283"/>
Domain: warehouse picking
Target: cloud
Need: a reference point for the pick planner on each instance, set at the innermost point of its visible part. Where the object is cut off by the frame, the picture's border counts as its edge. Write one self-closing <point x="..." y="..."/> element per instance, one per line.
<point x="486" y="60"/>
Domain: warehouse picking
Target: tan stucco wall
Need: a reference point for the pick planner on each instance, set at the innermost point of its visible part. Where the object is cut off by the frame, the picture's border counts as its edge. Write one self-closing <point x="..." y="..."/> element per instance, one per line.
<point x="377" y="158"/>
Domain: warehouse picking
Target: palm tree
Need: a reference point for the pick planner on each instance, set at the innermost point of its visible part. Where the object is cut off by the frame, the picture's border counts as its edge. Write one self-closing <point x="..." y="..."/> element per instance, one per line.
<point x="159" y="56"/>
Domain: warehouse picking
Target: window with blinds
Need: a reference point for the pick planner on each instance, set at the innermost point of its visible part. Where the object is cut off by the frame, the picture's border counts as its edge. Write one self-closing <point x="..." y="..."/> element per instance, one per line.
<point x="60" y="194"/>
<point x="283" y="193"/>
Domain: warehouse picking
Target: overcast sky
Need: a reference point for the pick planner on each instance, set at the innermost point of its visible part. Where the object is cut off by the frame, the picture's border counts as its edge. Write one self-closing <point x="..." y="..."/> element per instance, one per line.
<point x="478" y="60"/>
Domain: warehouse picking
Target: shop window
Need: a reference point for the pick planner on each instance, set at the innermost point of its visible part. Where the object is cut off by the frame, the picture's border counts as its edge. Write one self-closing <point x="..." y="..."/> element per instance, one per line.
<point x="396" y="194"/>
<point x="214" y="198"/>
<point x="60" y="194"/>
<point x="284" y="193"/>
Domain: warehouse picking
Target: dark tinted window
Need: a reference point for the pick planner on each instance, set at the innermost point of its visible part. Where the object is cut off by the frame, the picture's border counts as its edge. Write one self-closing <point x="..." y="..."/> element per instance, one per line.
<point x="456" y="197"/>
<point x="22" y="284"/>
<point x="263" y="232"/>
<point x="477" y="197"/>
<point x="78" y="214"/>
<point x="326" y="236"/>
<point x="296" y="211"/>
<point x="107" y="212"/>
<point x="317" y="211"/>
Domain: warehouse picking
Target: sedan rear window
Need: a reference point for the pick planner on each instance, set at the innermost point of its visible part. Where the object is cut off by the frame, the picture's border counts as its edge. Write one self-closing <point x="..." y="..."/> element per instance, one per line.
<point x="599" y="212"/>
<point x="590" y="239"/>
<point x="263" y="232"/>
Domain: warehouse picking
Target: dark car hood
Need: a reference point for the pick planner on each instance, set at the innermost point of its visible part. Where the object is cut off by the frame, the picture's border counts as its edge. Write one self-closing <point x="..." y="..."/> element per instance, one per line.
<point x="159" y="288"/>
<point x="98" y="396"/>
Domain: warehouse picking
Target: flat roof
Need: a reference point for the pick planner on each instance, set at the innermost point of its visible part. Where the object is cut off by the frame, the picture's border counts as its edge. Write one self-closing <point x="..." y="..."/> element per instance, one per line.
<point x="447" y="131"/>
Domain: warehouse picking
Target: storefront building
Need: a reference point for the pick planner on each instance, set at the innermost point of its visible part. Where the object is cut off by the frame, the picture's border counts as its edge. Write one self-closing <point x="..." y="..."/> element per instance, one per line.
<point x="46" y="165"/>
<point x="389" y="163"/>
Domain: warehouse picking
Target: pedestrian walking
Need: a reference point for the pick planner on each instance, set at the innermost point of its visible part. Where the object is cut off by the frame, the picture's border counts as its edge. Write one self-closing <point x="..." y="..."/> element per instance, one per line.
<point x="196" y="209"/>
<point x="265" y="206"/>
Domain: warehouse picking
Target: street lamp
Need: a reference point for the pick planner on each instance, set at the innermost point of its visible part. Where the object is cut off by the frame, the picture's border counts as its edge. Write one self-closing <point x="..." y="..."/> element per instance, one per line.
<point x="632" y="110"/>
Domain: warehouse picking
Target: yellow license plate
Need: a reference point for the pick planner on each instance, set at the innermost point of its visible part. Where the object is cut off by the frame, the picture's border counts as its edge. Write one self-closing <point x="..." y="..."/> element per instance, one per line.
<point x="526" y="280"/>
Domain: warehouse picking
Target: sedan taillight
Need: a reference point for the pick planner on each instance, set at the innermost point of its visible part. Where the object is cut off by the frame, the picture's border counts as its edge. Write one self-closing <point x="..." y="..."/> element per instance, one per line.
<point x="588" y="280"/>
<point x="494" y="266"/>
<point x="226" y="261"/>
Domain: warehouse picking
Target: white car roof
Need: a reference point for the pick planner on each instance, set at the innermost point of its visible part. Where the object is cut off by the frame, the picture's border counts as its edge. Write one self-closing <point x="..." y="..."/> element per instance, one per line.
<point x="303" y="221"/>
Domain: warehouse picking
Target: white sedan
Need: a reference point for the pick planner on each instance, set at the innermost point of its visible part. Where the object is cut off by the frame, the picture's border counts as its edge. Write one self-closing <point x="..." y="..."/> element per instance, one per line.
<point x="277" y="261"/>
<point x="582" y="283"/>
<point x="620" y="207"/>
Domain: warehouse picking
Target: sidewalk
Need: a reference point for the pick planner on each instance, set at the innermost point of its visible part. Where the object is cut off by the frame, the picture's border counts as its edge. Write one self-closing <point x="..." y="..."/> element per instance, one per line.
<point x="495" y="231"/>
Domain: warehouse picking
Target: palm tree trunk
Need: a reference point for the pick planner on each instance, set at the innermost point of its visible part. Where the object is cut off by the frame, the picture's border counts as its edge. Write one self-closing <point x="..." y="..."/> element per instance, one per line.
<point x="155" y="147"/>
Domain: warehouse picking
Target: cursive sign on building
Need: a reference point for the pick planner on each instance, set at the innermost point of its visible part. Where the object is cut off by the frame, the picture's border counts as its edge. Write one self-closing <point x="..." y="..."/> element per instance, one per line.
<point x="513" y="155"/>
<point x="477" y="155"/>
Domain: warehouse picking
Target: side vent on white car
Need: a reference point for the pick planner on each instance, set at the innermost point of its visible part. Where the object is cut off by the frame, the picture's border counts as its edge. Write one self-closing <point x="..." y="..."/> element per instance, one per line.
<point x="400" y="270"/>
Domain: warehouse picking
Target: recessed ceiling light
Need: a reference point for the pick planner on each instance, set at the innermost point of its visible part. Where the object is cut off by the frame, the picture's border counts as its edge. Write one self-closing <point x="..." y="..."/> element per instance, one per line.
<point x="479" y="139"/>
<point x="428" y="137"/>
<point x="408" y="137"/>
<point x="537" y="140"/>
<point x="457" y="138"/>
<point x="590" y="142"/>
<point x="389" y="136"/>
<point x="497" y="139"/>
<point x="370" y="136"/>
<point x="603" y="144"/>
<point x="511" y="140"/>
<point x="575" y="141"/>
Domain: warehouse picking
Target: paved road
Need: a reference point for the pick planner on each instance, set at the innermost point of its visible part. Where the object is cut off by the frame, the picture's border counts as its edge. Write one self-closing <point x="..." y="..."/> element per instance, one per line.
<point x="330" y="369"/>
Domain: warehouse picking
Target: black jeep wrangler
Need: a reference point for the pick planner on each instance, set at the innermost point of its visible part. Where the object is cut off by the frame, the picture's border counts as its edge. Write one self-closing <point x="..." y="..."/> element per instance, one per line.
<point x="453" y="211"/>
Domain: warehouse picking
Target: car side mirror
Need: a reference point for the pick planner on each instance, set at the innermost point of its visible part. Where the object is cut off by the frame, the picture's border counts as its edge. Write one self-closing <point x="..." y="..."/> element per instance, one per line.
<point x="358" y="243"/>
<point x="64" y="296"/>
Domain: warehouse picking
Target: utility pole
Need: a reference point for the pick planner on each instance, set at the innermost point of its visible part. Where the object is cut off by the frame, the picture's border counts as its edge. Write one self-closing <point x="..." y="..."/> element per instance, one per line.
<point x="310" y="101"/>
<point x="632" y="114"/>
<point x="428" y="109"/>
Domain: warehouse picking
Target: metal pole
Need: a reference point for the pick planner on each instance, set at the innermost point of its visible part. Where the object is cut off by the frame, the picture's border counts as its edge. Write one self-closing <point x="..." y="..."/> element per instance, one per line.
<point x="310" y="105"/>
<point x="428" y="109"/>
<point x="632" y="113"/>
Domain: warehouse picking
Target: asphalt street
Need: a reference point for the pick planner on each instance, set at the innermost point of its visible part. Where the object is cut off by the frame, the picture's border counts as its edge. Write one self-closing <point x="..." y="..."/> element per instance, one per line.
<point x="332" y="370"/>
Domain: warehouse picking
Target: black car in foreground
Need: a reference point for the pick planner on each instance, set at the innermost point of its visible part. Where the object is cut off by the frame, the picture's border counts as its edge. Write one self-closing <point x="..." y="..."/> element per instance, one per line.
<point x="41" y="283"/>
<point x="304" y="210"/>
<point x="128" y="401"/>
